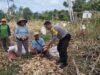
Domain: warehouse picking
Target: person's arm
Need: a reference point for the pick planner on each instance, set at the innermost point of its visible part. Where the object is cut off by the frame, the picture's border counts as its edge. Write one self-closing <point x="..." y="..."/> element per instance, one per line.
<point x="33" y="45"/>
<point x="33" y="50"/>
<point x="26" y="34"/>
<point x="54" y="37"/>
<point x="27" y="31"/>
<point x="43" y="42"/>
<point x="17" y="32"/>
<point x="49" y="45"/>
<point x="54" y="32"/>
<point x="9" y="32"/>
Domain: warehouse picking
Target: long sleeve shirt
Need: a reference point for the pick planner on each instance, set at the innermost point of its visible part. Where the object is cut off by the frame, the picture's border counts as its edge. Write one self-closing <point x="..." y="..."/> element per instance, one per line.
<point x="38" y="44"/>
<point x="21" y="31"/>
<point x="4" y="31"/>
<point x="58" y="32"/>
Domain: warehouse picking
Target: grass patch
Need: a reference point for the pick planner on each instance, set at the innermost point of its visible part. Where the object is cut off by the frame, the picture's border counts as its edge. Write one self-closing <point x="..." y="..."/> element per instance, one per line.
<point x="10" y="69"/>
<point x="46" y="37"/>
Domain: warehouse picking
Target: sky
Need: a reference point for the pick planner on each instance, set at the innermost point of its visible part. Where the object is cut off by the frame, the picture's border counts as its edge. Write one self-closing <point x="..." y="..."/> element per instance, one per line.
<point x="35" y="5"/>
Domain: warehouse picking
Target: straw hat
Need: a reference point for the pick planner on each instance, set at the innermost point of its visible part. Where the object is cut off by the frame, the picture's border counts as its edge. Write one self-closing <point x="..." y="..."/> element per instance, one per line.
<point x="21" y="20"/>
<point x="3" y="20"/>
<point x="36" y="33"/>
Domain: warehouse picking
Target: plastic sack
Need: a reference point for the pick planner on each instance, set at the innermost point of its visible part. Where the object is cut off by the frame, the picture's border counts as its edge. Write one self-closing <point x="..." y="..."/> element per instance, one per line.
<point x="43" y="30"/>
<point x="15" y="49"/>
<point x="53" y="52"/>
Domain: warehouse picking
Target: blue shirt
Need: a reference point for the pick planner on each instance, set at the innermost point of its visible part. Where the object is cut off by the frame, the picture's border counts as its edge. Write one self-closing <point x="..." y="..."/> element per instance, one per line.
<point x="36" y="45"/>
<point x="21" y="31"/>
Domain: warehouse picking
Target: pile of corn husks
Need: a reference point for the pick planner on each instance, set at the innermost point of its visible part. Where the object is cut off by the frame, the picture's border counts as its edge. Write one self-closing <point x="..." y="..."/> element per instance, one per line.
<point x="40" y="66"/>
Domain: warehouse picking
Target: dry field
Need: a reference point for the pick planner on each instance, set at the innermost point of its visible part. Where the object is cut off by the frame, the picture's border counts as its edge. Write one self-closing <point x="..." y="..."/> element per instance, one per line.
<point x="84" y="56"/>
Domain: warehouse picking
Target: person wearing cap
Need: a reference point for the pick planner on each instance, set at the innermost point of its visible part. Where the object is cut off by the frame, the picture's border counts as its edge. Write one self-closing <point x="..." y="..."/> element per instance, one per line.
<point x="4" y="34"/>
<point x="38" y="43"/>
<point x="63" y="37"/>
<point x="22" y="34"/>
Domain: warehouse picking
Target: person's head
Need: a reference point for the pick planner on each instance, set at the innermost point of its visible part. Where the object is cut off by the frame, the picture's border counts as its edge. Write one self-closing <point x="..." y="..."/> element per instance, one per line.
<point x="3" y="21"/>
<point x="48" y="25"/>
<point x="36" y="35"/>
<point x="22" y="22"/>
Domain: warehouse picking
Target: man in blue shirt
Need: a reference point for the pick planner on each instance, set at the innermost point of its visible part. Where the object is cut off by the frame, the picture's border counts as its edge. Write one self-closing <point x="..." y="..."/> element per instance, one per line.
<point x="38" y="43"/>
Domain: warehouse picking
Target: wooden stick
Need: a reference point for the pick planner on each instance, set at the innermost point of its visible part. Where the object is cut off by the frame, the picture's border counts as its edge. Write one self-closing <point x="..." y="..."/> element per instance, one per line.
<point x="93" y="66"/>
<point x="77" y="69"/>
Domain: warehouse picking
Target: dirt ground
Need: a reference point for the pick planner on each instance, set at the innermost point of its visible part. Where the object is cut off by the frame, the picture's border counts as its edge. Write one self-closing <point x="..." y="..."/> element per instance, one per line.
<point x="84" y="57"/>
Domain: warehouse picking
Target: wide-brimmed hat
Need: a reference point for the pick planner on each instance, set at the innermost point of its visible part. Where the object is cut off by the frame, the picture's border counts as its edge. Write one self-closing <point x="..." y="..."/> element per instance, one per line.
<point x="21" y="20"/>
<point x="36" y="33"/>
<point x="3" y="20"/>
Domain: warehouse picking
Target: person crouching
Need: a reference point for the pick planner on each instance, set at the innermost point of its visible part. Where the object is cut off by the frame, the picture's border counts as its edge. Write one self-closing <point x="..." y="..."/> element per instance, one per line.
<point x="38" y="45"/>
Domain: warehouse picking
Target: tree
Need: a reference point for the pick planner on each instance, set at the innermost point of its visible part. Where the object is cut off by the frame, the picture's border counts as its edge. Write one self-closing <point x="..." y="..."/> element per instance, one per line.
<point x="2" y="15"/>
<point x="65" y="4"/>
<point x="36" y="15"/>
<point x="11" y="10"/>
<point x="78" y="5"/>
<point x="27" y="13"/>
<point x="95" y="5"/>
<point x="81" y="5"/>
<point x="21" y="11"/>
<point x="63" y="15"/>
<point x="69" y="5"/>
<point x="52" y="15"/>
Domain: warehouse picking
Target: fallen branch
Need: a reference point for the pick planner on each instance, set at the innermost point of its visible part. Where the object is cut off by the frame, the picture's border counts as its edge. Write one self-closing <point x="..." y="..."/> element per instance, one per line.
<point x="77" y="69"/>
<point x="93" y="66"/>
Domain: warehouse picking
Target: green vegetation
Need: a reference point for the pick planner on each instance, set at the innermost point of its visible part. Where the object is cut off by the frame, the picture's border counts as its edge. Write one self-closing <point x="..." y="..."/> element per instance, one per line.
<point x="46" y="37"/>
<point x="62" y="15"/>
<point x="84" y="52"/>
